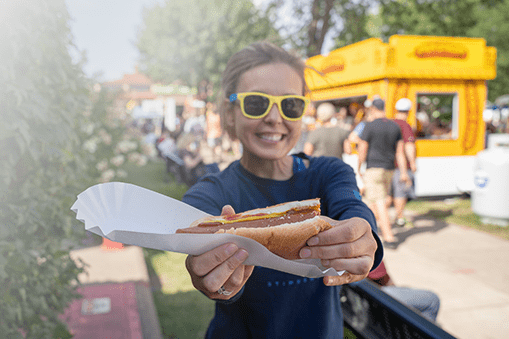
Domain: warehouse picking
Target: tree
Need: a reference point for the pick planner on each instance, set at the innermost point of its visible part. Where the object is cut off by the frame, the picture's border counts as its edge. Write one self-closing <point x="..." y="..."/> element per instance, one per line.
<point x="192" y="40"/>
<point x="466" y="18"/>
<point x="493" y="25"/>
<point x="427" y="17"/>
<point x="42" y="95"/>
<point x="355" y="22"/>
<point x="307" y="24"/>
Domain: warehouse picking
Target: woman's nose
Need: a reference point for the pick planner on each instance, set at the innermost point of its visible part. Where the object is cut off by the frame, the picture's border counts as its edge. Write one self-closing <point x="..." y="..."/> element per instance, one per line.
<point x="274" y="116"/>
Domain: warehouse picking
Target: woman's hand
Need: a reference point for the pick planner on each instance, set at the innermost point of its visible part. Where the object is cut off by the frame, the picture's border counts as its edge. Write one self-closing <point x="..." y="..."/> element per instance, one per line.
<point x="220" y="267"/>
<point x="349" y="245"/>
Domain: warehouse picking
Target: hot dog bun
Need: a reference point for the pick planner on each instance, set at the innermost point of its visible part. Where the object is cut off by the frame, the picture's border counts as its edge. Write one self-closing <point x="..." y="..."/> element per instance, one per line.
<point x="283" y="228"/>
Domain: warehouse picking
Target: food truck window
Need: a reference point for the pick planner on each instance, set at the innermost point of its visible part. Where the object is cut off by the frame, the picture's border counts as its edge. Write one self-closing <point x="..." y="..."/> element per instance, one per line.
<point x="349" y="111"/>
<point x="437" y="116"/>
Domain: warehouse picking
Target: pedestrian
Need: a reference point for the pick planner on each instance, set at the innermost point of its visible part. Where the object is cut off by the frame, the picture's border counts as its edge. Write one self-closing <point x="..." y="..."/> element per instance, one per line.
<point x="328" y="139"/>
<point x="380" y="144"/>
<point x="354" y="136"/>
<point x="263" y="89"/>
<point x="424" y="301"/>
<point x="344" y="120"/>
<point x="402" y="191"/>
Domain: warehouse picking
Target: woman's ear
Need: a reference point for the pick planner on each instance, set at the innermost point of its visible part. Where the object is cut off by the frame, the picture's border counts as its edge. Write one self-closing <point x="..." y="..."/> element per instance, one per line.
<point x="228" y="118"/>
<point x="229" y="114"/>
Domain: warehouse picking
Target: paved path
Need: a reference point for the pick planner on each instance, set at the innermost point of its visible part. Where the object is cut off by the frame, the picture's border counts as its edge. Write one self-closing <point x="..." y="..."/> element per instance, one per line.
<point x="117" y="299"/>
<point x="468" y="269"/>
<point x="106" y="266"/>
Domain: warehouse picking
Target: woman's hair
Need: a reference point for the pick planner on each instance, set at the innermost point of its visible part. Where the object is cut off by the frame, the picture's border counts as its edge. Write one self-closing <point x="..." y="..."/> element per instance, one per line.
<point x="254" y="55"/>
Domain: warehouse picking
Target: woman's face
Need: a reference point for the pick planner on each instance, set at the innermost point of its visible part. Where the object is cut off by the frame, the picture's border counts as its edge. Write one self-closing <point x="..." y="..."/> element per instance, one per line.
<point x="271" y="137"/>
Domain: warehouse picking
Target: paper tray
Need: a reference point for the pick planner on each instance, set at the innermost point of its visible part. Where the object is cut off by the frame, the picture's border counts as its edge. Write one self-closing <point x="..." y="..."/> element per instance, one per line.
<point x="134" y="215"/>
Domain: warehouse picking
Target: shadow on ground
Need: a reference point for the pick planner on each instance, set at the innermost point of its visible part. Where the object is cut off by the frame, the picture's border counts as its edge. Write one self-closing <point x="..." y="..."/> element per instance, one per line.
<point x="430" y="222"/>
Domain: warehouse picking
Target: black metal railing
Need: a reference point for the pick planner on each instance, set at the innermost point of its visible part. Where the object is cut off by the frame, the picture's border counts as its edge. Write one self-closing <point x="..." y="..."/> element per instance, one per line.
<point x="370" y="313"/>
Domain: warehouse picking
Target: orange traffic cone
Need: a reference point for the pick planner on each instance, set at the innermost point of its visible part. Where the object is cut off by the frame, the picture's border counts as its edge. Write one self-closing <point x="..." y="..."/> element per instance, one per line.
<point x="109" y="245"/>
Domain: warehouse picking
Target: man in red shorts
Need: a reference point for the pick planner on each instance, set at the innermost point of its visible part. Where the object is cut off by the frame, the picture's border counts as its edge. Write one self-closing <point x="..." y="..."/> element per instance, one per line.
<point x="402" y="191"/>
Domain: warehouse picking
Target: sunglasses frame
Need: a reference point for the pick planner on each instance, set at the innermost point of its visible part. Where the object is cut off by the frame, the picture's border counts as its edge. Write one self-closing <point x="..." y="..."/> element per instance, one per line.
<point x="273" y="99"/>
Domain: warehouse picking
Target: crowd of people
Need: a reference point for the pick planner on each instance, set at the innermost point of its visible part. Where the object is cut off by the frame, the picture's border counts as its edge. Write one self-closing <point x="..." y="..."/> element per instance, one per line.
<point x="197" y="145"/>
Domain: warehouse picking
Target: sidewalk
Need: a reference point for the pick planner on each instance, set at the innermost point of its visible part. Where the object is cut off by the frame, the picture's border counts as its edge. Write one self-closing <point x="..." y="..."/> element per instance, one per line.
<point x="468" y="269"/>
<point x="117" y="298"/>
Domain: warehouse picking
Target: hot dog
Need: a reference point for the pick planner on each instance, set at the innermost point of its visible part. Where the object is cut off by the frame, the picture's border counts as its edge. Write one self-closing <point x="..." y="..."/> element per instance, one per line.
<point x="283" y="228"/>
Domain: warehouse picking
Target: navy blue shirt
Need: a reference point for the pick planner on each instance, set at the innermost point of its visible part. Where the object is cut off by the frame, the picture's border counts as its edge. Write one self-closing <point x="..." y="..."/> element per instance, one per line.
<point x="274" y="304"/>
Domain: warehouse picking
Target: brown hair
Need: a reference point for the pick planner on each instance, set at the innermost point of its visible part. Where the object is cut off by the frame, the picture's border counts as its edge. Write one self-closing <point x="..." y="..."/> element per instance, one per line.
<point x="254" y="55"/>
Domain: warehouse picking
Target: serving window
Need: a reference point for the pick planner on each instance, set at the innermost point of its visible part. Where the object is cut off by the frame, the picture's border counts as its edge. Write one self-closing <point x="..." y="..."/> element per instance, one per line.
<point x="437" y="115"/>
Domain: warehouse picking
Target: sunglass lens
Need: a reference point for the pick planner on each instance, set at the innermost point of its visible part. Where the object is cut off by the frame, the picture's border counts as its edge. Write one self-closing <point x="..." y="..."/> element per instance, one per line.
<point x="293" y="107"/>
<point x="255" y="105"/>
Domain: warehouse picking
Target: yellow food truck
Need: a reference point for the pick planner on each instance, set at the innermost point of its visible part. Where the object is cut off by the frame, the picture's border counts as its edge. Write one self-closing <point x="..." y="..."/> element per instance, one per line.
<point x="444" y="77"/>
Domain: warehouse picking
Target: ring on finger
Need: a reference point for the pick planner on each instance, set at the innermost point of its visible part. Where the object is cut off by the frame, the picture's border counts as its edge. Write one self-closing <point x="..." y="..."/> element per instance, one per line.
<point x="223" y="291"/>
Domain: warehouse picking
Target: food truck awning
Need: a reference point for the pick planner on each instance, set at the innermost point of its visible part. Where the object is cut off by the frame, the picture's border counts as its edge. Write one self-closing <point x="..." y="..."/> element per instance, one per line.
<point x="404" y="57"/>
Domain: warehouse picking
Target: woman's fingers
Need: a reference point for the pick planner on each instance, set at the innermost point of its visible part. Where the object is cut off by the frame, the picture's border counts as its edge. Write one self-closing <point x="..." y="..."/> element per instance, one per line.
<point x="346" y="278"/>
<point x="348" y="246"/>
<point x="356" y="266"/>
<point x="227" y="210"/>
<point x="224" y="272"/>
<point x="235" y="282"/>
<point x="220" y="267"/>
<point x="343" y="231"/>
<point x="362" y="246"/>
<point x="202" y="265"/>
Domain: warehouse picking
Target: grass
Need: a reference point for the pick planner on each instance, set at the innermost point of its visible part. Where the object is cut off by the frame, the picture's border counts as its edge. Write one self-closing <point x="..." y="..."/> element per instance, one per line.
<point x="456" y="211"/>
<point x="153" y="176"/>
<point x="183" y="312"/>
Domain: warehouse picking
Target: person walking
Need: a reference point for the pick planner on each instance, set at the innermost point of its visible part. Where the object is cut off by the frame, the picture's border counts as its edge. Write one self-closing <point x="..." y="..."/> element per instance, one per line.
<point x="380" y="144"/>
<point x="328" y="139"/>
<point x="402" y="191"/>
<point x="264" y="91"/>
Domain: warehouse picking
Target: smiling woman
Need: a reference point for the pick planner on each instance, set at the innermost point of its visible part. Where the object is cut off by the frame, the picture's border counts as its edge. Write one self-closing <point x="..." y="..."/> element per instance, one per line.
<point x="263" y="102"/>
<point x="271" y="137"/>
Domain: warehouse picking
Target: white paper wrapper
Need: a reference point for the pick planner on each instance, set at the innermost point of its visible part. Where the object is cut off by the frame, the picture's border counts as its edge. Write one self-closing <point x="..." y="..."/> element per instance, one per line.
<point x="134" y="215"/>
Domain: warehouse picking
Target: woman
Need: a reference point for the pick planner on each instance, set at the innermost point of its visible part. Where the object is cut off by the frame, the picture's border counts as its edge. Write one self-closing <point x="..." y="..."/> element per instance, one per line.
<point x="264" y="87"/>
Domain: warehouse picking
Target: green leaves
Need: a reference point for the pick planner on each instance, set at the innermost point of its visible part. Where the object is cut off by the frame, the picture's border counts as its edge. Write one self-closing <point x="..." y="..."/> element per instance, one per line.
<point x="468" y="18"/>
<point x="192" y="40"/>
<point x="43" y="95"/>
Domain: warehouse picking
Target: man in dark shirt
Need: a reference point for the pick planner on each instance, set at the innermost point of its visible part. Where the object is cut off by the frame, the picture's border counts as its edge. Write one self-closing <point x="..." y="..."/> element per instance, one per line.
<point x="381" y="143"/>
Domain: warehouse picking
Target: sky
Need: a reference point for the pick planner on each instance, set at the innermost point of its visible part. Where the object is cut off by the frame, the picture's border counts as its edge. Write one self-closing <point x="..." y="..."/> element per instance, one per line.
<point x="106" y="30"/>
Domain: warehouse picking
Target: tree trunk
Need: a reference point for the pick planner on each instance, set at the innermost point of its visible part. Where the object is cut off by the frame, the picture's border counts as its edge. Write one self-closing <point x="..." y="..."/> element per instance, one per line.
<point x="317" y="34"/>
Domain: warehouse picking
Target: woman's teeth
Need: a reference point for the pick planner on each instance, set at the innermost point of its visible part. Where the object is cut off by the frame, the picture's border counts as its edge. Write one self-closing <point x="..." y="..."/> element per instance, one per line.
<point x="271" y="137"/>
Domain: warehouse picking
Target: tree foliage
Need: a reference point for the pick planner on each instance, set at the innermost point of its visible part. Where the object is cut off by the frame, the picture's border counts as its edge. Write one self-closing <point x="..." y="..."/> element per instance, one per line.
<point x="191" y="41"/>
<point x="427" y="17"/>
<point x="493" y="25"/>
<point x="306" y="24"/>
<point x="465" y="18"/>
<point x="356" y="18"/>
<point x="42" y="96"/>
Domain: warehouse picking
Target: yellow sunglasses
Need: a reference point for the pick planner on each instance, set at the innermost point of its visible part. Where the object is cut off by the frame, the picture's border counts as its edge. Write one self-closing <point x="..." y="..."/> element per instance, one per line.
<point x="257" y="105"/>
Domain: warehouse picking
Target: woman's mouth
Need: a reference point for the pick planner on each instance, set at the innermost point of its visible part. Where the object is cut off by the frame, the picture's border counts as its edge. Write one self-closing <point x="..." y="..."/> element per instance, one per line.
<point x="271" y="137"/>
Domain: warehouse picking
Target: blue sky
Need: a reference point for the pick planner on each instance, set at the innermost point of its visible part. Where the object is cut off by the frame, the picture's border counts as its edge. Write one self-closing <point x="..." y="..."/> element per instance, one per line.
<point x="106" y="30"/>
